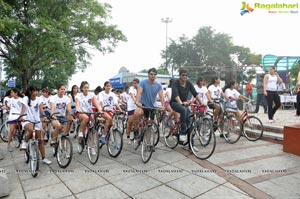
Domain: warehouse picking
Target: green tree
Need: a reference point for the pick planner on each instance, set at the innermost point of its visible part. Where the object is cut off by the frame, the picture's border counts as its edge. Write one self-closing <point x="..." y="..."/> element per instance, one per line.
<point x="47" y="41"/>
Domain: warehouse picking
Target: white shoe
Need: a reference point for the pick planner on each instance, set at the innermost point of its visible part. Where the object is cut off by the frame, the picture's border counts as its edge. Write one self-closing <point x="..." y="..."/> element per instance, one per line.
<point x="271" y="121"/>
<point x="93" y="151"/>
<point x="182" y="138"/>
<point x="9" y="148"/>
<point x="80" y="134"/>
<point x="195" y="149"/>
<point x="23" y="146"/>
<point x="46" y="161"/>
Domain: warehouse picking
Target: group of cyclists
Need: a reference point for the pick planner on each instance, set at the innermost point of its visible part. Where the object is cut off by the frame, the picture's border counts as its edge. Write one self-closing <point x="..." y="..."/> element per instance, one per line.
<point x="137" y="100"/>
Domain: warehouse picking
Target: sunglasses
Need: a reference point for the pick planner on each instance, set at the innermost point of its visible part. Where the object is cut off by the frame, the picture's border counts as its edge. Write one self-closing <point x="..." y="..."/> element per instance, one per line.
<point x="153" y="74"/>
<point x="184" y="75"/>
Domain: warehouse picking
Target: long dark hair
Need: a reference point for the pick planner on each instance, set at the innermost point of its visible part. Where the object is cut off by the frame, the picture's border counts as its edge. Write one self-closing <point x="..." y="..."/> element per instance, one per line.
<point x="213" y="80"/>
<point x="229" y="84"/>
<point x="17" y="91"/>
<point x="72" y="92"/>
<point x="29" y="91"/>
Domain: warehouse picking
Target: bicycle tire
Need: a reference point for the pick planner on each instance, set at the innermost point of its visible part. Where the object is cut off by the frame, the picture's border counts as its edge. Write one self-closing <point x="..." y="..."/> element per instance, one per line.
<point x="64" y="151"/>
<point x="80" y="145"/>
<point x="114" y="143"/>
<point x="253" y="128"/>
<point x="232" y="129"/>
<point x="26" y="156"/>
<point x="100" y="130"/>
<point x="155" y="128"/>
<point x="3" y="133"/>
<point x="34" y="160"/>
<point x="16" y="140"/>
<point x="147" y="145"/>
<point x="203" y="139"/>
<point x="93" y="143"/>
<point x="170" y="135"/>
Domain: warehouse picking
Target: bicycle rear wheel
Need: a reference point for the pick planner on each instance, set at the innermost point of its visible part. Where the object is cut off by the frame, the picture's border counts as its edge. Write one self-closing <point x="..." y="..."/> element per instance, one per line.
<point x="203" y="139"/>
<point x="170" y="133"/>
<point x="64" y="152"/>
<point x="16" y="141"/>
<point x="93" y="146"/>
<point x="114" y="142"/>
<point x="147" y="144"/>
<point x="34" y="160"/>
<point x="253" y="128"/>
<point x="232" y="129"/>
<point x="4" y="133"/>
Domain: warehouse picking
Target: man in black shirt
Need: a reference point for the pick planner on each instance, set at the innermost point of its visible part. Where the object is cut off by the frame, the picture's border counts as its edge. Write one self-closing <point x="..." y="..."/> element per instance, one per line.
<point x="179" y="100"/>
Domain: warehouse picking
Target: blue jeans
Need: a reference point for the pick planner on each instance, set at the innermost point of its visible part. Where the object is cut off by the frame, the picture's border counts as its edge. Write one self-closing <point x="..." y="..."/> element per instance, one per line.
<point x="184" y="112"/>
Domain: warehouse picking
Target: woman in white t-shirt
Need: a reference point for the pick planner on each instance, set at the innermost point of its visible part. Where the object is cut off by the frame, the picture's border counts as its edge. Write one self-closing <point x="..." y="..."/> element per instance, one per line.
<point x="270" y="91"/>
<point x="215" y="93"/>
<point x="60" y="104"/>
<point x="232" y="96"/>
<point x="108" y="101"/>
<point x="16" y="109"/>
<point x="34" y="107"/>
<point x="84" y="103"/>
<point x="168" y="95"/>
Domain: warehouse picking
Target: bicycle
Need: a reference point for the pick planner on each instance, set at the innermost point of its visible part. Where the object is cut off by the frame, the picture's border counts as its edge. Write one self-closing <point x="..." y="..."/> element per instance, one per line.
<point x="146" y="136"/>
<point x="90" y="139"/>
<point x="63" y="148"/>
<point x="229" y="124"/>
<point x="4" y="129"/>
<point x="252" y="127"/>
<point x="19" y="134"/>
<point x="114" y="136"/>
<point x="201" y="137"/>
<point x="32" y="152"/>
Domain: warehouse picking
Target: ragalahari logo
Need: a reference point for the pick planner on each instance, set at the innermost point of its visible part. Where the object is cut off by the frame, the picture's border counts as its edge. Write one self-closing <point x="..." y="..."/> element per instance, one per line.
<point x="246" y="8"/>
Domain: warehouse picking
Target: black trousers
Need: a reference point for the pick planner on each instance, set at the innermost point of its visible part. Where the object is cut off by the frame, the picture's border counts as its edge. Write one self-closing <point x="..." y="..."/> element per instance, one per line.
<point x="273" y="97"/>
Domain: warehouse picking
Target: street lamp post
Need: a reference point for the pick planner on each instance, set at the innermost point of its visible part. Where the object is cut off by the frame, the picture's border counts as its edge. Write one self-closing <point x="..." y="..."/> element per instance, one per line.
<point x="166" y="21"/>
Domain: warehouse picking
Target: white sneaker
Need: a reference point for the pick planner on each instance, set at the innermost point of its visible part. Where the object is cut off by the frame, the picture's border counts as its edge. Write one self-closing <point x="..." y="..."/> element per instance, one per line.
<point x="9" y="148"/>
<point x="195" y="149"/>
<point x="182" y="138"/>
<point x="93" y="151"/>
<point x="80" y="134"/>
<point x="46" y="161"/>
<point x="23" y="146"/>
<point x="271" y="121"/>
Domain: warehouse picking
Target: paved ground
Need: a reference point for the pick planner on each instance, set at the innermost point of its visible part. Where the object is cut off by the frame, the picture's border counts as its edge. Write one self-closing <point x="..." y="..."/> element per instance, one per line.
<point x="242" y="170"/>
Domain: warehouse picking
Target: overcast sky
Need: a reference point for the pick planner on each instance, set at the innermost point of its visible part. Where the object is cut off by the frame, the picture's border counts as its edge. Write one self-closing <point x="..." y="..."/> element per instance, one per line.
<point x="140" y="21"/>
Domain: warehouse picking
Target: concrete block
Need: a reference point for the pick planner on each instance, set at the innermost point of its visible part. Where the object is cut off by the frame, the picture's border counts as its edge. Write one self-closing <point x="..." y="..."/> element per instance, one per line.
<point x="4" y="188"/>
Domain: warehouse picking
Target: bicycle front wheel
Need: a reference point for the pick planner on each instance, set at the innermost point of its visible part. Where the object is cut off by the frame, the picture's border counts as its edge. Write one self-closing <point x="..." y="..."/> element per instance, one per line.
<point x="232" y="129"/>
<point x="16" y="141"/>
<point x="203" y="139"/>
<point x="253" y="128"/>
<point x="170" y="134"/>
<point x="147" y="144"/>
<point x="64" y="152"/>
<point x="4" y="133"/>
<point x="114" y="142"/>
<point x="93" y="146"/>
<point x="34" y="160"/>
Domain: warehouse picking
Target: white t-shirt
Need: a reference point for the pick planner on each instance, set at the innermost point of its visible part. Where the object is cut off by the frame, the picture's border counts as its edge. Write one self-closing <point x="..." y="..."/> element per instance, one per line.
<point x="215" y="91"/>
<point x="32" y="112"/>
<point x="85" y="102"/>
<point x="6" y="99"/>
<point x="15" y="106"/>
<point x="46" y="103"/>
<point x="60" y="104"/>
<point x="109" y="99"/>
<point x="130" y="103"/>
<point x="202" y="93"/>
<point x="232" y="93"/>
<point x="168" y="93"/>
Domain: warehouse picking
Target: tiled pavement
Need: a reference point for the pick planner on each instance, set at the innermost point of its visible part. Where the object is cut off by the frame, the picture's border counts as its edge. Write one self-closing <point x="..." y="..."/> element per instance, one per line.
<point x="242" y="170"/>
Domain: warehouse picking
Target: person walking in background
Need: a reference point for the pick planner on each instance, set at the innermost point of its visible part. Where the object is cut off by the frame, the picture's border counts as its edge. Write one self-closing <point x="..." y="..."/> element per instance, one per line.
<point x="260" y="95"/>
<point x="249" y="90"/>
<point x="297" y="93"/>
<point x="270" y="91"/>
<point x="281" y="88"/>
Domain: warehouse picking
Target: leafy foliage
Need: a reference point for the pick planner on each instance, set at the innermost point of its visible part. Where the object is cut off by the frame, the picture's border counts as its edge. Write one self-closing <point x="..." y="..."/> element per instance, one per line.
<point x="45" y="42"/>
